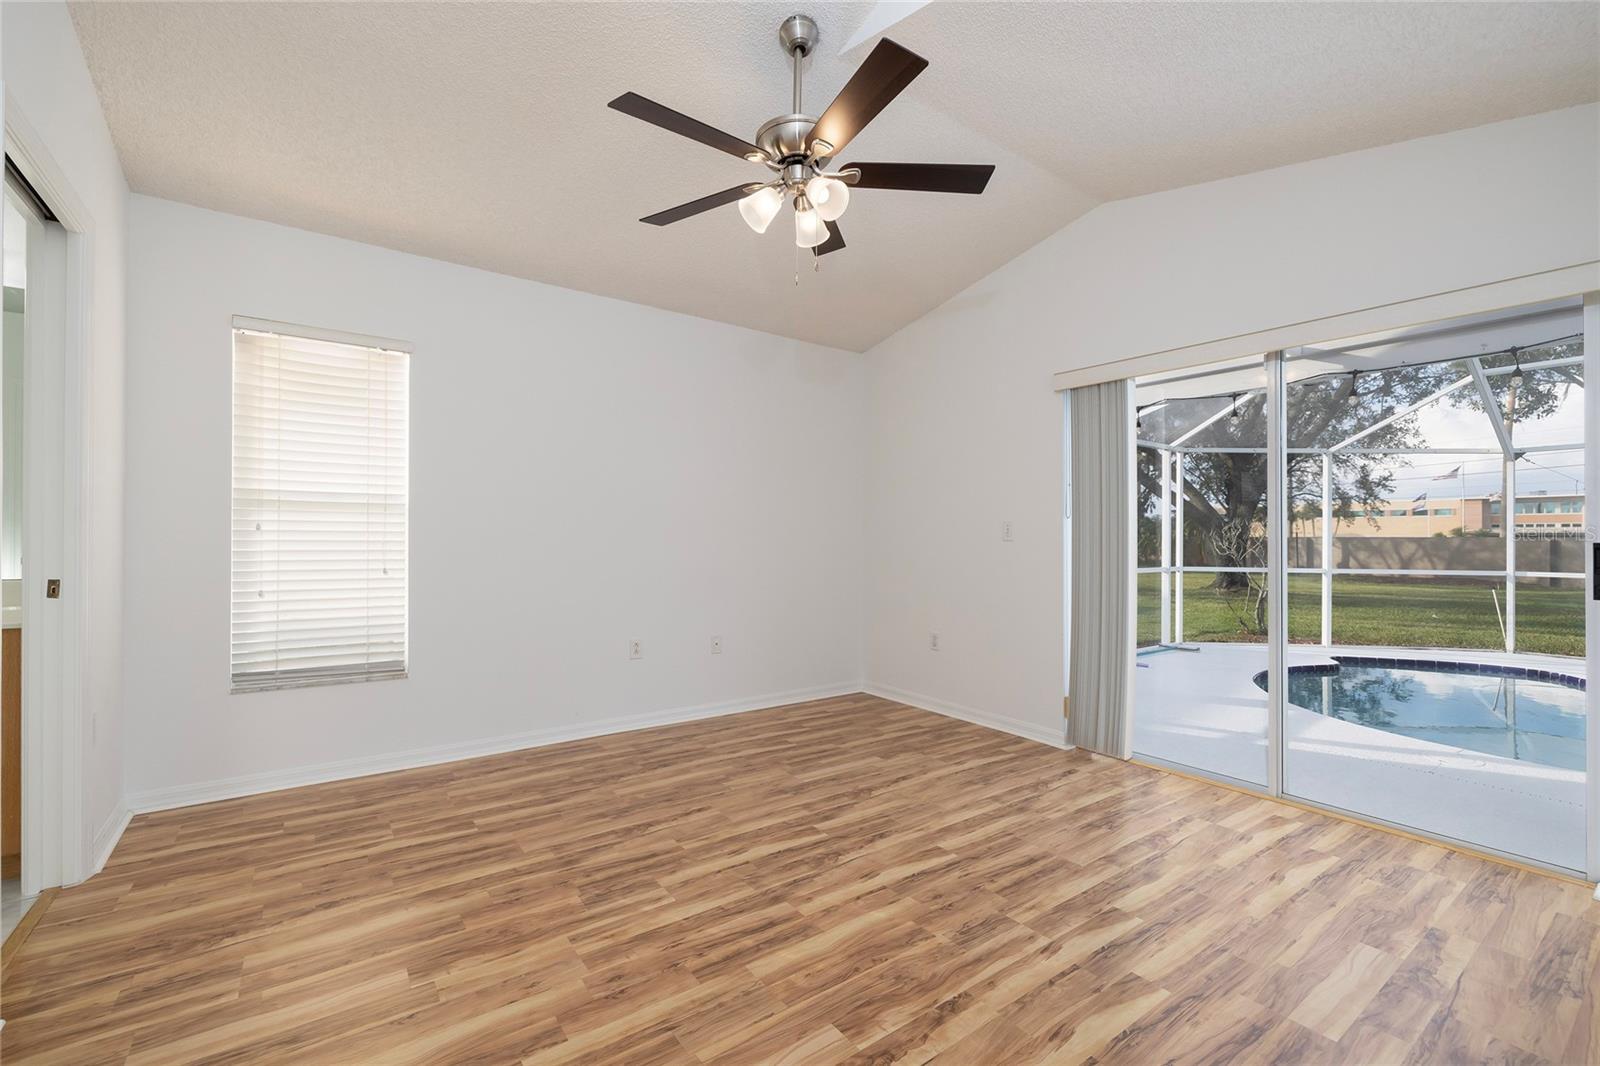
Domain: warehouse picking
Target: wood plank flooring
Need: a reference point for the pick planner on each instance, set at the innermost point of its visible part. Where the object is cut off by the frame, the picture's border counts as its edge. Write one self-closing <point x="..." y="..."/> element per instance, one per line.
<point x="842" y="881"/>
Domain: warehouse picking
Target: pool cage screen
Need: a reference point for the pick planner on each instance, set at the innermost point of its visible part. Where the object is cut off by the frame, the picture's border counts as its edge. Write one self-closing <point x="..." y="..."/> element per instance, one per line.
<point x="1360" y="442"/>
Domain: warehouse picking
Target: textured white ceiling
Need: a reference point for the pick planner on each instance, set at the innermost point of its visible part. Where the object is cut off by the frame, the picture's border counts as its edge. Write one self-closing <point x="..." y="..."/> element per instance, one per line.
<point x="478" y="133"/>
<point x="1125" y="99"/>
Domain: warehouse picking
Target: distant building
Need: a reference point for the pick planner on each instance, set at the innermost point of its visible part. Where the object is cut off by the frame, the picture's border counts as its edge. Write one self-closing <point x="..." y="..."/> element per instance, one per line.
<point x="1538" y="514"/>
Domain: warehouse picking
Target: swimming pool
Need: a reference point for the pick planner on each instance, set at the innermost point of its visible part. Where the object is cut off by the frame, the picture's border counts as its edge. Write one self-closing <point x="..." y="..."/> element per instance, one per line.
<point x="1533" y="716"/>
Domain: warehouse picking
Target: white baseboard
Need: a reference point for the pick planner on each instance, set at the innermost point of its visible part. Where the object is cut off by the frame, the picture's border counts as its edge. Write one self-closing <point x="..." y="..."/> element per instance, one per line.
<point x="1004" y="723"/>
<point x="106" y="839"/>
<point x="162" y="799"/>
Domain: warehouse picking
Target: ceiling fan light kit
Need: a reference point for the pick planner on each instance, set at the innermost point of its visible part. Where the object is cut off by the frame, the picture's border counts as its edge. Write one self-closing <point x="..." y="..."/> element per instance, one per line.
<point x="760" y="207"/>
<point x="830" y="195"/>
<point x="798" y="148"/>
<point x="809" y="229"/>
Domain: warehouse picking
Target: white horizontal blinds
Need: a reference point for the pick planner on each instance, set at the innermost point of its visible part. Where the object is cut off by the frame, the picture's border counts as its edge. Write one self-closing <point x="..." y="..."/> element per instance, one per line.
<point x="319" y="510"/>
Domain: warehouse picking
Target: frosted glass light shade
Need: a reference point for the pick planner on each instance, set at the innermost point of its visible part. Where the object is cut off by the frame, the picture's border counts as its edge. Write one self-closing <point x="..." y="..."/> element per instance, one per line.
<point x="809" y="230"/>
<point x="760" y="207"/>
<point x="834" y="196"/>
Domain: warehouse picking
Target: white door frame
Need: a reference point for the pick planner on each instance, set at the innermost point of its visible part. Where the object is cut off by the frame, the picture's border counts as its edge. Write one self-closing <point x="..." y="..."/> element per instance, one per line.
<point x="1591" y="474"/>
<point x="1277" y="534"/>
<point x="56" y="844"/>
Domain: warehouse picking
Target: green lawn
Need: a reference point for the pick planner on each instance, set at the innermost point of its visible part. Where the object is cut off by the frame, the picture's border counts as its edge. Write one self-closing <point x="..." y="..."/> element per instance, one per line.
<point x="1402" y="612"/>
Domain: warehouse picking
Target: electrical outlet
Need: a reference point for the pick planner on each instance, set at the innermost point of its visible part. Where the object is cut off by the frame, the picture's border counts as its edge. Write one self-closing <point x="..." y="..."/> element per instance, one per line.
<point x="635" y="650"/>
<point x="716" y="645"/>
<point x="933" y="642"/>
<point x="1005" y="530"/>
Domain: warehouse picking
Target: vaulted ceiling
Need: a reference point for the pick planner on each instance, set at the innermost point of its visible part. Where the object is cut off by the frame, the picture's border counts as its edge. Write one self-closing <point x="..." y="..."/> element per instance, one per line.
<point x="478" y="133"/>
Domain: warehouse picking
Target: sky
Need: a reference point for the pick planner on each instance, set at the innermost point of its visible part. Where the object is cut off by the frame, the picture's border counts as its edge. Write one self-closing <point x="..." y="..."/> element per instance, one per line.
<point x="1442" y="425"/>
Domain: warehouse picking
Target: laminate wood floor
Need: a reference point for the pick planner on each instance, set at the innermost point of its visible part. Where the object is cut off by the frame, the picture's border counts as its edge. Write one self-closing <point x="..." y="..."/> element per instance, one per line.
<point x="848" y="880"/>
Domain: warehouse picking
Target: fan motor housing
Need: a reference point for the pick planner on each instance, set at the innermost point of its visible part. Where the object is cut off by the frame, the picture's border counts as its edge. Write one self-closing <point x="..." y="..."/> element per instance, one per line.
<point x="784" y="137"/>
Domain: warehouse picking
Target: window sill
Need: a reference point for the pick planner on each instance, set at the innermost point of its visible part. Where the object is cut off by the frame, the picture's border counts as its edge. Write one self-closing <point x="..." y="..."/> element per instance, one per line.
<point x="238" y="689"/>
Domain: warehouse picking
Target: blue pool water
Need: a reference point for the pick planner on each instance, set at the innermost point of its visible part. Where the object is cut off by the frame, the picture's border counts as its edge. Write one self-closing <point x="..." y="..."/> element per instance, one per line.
<point x="1535" y="720"/>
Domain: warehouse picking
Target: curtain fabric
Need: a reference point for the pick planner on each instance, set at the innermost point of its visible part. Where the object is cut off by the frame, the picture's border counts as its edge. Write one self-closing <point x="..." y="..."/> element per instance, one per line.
<point x="1100" y="653"/>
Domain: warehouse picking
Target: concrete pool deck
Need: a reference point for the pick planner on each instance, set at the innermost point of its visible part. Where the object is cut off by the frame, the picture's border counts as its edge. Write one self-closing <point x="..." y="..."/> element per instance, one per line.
<point x="1202" y="709"/>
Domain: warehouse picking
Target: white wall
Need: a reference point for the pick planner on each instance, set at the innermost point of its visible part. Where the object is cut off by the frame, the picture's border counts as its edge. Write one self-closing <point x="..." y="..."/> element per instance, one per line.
<point x="966" y="431"/>
<point x="584" y="471"/>
<point x="46" y="80"/>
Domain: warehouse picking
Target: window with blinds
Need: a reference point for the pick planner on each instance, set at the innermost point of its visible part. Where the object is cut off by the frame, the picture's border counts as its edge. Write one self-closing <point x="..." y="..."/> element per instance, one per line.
<point x="319" y="507"/>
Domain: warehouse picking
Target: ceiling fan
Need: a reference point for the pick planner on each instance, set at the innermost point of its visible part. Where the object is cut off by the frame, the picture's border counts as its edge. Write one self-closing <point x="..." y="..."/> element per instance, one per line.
<point x="799" y="148"/>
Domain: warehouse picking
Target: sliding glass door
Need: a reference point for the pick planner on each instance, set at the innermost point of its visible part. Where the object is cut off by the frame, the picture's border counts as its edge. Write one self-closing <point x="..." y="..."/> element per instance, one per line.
<point x="1203" y="609"/>
<point x="1450" y="696"/>
<point x="1417" y="502"/>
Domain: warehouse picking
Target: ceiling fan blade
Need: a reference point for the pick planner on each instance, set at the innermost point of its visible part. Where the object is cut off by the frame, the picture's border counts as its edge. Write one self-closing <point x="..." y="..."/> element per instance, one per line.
<point x="877" y="81"/>
<point x="834" y="242"/>
<point x="695" y="207"/>
<point x="923" y="177"/>
<point x="681" y="124"/>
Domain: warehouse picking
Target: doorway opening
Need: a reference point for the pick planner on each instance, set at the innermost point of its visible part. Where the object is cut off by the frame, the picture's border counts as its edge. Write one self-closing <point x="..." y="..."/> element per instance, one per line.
<point x="32" y="247"/>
